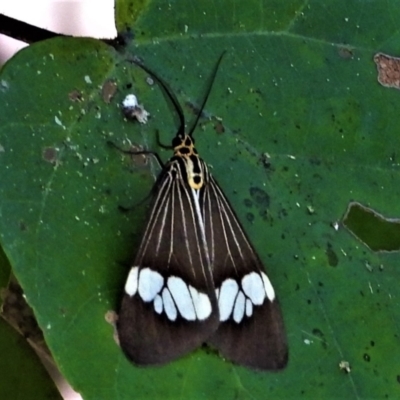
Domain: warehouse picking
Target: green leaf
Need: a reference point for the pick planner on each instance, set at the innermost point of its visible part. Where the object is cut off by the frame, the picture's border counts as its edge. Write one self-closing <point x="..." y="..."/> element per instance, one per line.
<point x="22" y="373"/>
<point x="307" y="128"/>
<point x="5" y="269"/>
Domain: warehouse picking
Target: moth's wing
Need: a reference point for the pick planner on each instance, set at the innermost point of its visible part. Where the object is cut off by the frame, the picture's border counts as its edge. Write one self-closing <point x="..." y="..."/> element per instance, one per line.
<point x="251" y="332"/>
<point x="169" y="306"/>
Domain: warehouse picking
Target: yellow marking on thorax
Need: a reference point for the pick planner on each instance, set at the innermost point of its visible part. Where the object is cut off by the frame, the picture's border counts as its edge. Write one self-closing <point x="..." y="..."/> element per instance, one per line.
<point x="185" y="147"/>
<point x="186" y="150"/>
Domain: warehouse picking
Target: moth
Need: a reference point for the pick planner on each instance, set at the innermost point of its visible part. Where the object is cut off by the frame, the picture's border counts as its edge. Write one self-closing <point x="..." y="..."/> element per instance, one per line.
<point x="196" y="278"/>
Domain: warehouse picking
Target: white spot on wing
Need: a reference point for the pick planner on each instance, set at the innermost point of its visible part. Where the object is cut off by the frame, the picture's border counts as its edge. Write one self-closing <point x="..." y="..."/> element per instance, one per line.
<point x="150" y="284"/>
<point x="227" y="296"/>
<point x="238" y="311"/>
<point x="253" y="287"/>
<point x="131" y="284"/>
<point x="201" y="303"/>
<point x="158" y="305"/>
<point x="249" y="308"/>
<point x="169" y="306"/>
<point x="182" y="298"/>
<point x="268" y="287"/>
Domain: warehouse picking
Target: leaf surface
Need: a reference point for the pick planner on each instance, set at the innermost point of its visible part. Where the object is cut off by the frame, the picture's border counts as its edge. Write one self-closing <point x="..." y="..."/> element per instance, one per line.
<point x="298" y="126"/>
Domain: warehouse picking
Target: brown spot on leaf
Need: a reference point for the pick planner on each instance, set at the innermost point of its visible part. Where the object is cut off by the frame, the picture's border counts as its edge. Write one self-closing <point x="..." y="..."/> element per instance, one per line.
<point x="345" y="52"/>
<point x="219" y="127"/>
<point x="111" y="317"/>
<point x="139" y="160"/>
<point x="388" y="70"/>
<point x="333" y="259"/>
<point x="108" y="90"/>
<point x="75" y="95"/>
<point x="50" y="154"/>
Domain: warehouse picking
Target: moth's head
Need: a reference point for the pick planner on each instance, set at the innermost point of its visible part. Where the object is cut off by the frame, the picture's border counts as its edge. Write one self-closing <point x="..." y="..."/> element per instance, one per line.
<point x="183" y="145"/>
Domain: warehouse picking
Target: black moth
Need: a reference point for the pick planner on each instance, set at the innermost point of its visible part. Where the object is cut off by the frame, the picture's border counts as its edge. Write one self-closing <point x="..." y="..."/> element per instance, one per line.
<point x="196" y="278"/>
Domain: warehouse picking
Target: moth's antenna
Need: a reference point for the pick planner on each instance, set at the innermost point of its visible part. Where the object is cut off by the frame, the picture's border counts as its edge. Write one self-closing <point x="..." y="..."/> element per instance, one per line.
<point x="170" y="94"/>
<point x="191" y="130"/>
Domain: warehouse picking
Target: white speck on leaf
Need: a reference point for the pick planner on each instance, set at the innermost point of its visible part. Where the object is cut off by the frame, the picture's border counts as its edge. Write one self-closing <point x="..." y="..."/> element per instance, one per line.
<point x="132" y="109"/>
<point x="58" y="122"/>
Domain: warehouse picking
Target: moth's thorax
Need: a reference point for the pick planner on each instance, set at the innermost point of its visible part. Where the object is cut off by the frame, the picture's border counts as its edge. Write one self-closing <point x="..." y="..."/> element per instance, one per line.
<point x="185" y="150"/>
<point x="183" y="145"/>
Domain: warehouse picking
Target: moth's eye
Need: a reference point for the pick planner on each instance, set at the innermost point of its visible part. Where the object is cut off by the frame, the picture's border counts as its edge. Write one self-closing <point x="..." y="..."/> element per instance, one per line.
<point x="176" y="141"/>
<point x="188" y="141"/>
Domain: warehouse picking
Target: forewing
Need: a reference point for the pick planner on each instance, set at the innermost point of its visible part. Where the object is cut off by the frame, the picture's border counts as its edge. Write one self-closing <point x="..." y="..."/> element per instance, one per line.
<point x="169" y="306"/>
<point x="251" y="331"/>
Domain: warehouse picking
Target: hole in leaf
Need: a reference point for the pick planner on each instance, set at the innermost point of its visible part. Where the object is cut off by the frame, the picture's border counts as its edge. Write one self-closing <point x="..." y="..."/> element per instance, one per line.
<point x="371" y="228"/>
